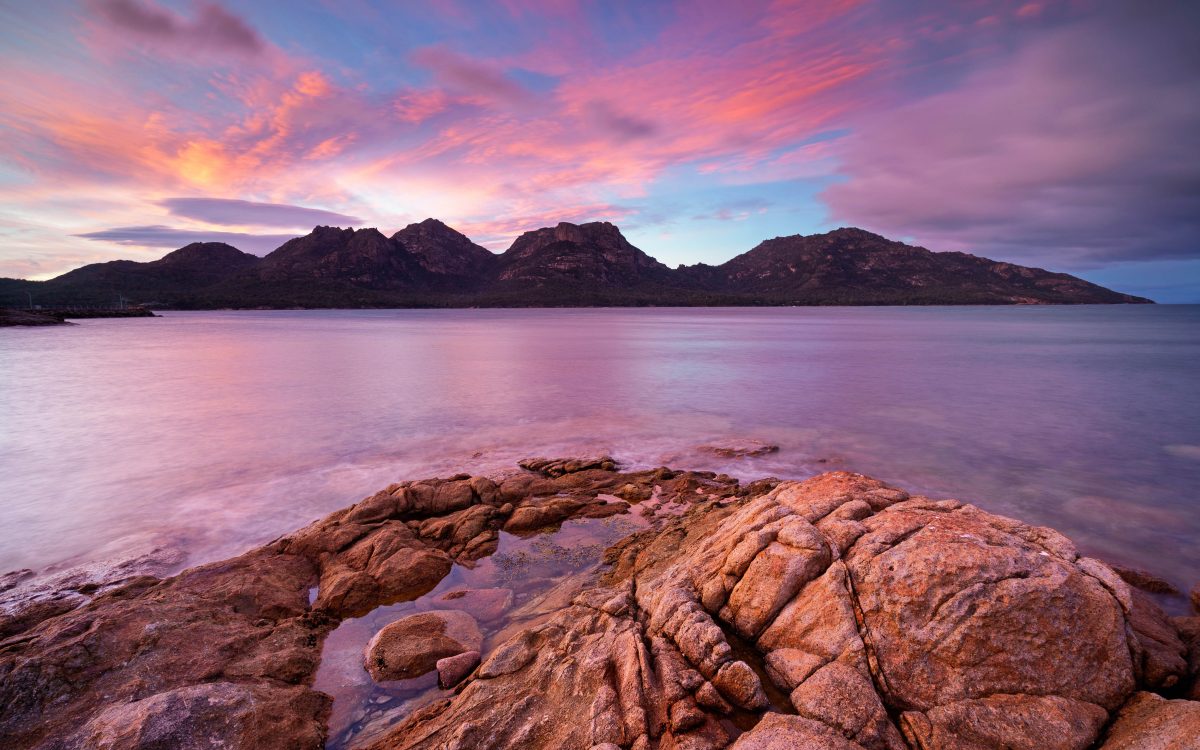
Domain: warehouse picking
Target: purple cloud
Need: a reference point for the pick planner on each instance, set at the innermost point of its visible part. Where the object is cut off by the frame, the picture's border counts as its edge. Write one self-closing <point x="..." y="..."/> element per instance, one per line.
<point x="239" y="212"/>
<point x="738" y="210"/>
<point x="213" y="28"/>
<point x="472" y="77"/>
<point x="160" y="236"/>
<point x="621" y="126"/>
<point x="1077" y="151"/>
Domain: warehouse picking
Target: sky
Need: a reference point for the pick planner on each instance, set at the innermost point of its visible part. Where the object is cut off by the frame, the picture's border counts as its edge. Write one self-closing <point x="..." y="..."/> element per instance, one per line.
<point x="1064" y="135"/>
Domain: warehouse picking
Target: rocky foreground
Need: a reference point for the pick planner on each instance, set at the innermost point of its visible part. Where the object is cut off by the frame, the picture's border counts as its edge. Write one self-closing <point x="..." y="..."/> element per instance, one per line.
<point x="832" y="613"/>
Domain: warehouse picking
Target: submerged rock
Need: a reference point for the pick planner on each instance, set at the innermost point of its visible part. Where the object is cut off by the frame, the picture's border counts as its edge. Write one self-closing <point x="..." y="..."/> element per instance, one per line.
<point x="1144" y="580"/>
<point x="483" y="604"/>
<point x="560" y="466"/>
<point x="836" y="612"/>
<point x="743" y="448"/>
<point x="414" y="645"/>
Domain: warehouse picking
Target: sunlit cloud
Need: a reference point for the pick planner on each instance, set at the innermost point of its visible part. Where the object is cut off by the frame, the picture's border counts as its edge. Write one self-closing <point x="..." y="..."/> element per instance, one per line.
<point x="1041" y="132"/>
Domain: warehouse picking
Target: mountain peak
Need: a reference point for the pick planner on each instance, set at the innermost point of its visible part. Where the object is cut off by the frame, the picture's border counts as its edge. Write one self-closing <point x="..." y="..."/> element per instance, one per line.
<point x="441" y="249"/>
<point x="852" y="233"/>
<point x="202" y="252"/>
<point x="599" y="233"/>
<point x="591" y="253"/>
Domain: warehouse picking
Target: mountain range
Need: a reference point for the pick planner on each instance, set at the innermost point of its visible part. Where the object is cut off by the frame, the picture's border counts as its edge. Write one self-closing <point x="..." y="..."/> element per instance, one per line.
<point x="429" y="264"/>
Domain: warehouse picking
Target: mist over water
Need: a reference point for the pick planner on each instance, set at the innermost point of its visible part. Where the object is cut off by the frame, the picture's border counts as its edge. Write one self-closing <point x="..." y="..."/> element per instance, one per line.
<point x="212" y="432"/>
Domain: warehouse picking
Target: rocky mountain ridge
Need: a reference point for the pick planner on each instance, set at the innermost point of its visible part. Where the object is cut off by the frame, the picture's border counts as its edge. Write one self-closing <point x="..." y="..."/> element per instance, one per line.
<point x="429" y="264"/>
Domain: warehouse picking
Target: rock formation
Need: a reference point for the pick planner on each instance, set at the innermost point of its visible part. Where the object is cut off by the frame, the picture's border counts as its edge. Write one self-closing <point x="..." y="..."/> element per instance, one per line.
<point x="417" y="644"/>
<point x="837" y="612"/>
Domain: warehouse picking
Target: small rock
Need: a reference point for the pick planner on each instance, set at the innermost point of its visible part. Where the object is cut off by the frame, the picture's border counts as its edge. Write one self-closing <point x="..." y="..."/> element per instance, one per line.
<point x="413" y="645"/>
<point x="685" y="715"/>
<point x="453" y="669"/>
<point x="1144" y="580"/>
<point x="559" y="466"/>
<point x="738" y="682"/>
<point x="709" y="697"/>
<point x="540" y="514"/>
<point x="739" y="448"/>
<point x="482" y="604"/>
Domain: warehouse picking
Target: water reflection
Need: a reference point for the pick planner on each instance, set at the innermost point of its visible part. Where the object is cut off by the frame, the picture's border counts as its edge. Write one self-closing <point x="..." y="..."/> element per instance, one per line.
<point x="217" y="431"/>
<point x="525" y="581"/>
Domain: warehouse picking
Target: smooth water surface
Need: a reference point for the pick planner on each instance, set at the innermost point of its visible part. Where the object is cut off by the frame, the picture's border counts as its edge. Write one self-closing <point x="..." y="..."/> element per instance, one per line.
<point x="215" y="431"/>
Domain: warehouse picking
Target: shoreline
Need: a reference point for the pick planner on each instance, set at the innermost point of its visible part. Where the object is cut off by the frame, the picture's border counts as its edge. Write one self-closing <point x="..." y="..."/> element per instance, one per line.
<point x="231" y="648"/>
<point x="60" y="316"/>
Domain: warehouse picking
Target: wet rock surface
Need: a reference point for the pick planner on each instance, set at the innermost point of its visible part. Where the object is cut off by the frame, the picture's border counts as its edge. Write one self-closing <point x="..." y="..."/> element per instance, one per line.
<point x="417" y="644"/>
<point x="740" y="448"/>
<point x="837" y="612"/>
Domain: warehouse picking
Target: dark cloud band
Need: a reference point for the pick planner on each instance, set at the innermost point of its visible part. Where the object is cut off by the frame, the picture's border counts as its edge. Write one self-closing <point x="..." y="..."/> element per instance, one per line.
<point x="161" y="236"/>
<point x="250" y="213"/>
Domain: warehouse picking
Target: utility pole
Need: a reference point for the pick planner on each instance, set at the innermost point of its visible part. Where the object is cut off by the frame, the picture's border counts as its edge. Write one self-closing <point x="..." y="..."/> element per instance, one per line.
<point x="30" y="296"/>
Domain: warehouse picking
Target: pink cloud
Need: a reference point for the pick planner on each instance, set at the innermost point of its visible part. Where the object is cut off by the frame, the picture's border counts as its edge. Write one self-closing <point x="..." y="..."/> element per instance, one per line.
<point x="417" y="106"/>
<point x="212" y="29"/>
<point x="469" y="76"/>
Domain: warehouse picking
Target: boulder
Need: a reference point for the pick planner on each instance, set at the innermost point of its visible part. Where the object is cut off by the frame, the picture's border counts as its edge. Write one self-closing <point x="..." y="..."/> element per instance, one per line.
<point x="961" y="604"/>
<point x="413" y="645"/>
<point x="1150" y="722"/>
<point x="541" y="513"/>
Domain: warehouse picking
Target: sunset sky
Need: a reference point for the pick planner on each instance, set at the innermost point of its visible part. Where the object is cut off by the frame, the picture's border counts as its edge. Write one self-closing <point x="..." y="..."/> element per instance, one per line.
<point x="1064" y="135"/>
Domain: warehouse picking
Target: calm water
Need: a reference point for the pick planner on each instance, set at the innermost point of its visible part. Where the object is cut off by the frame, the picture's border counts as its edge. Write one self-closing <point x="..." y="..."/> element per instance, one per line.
<point x="215" y="431"/>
